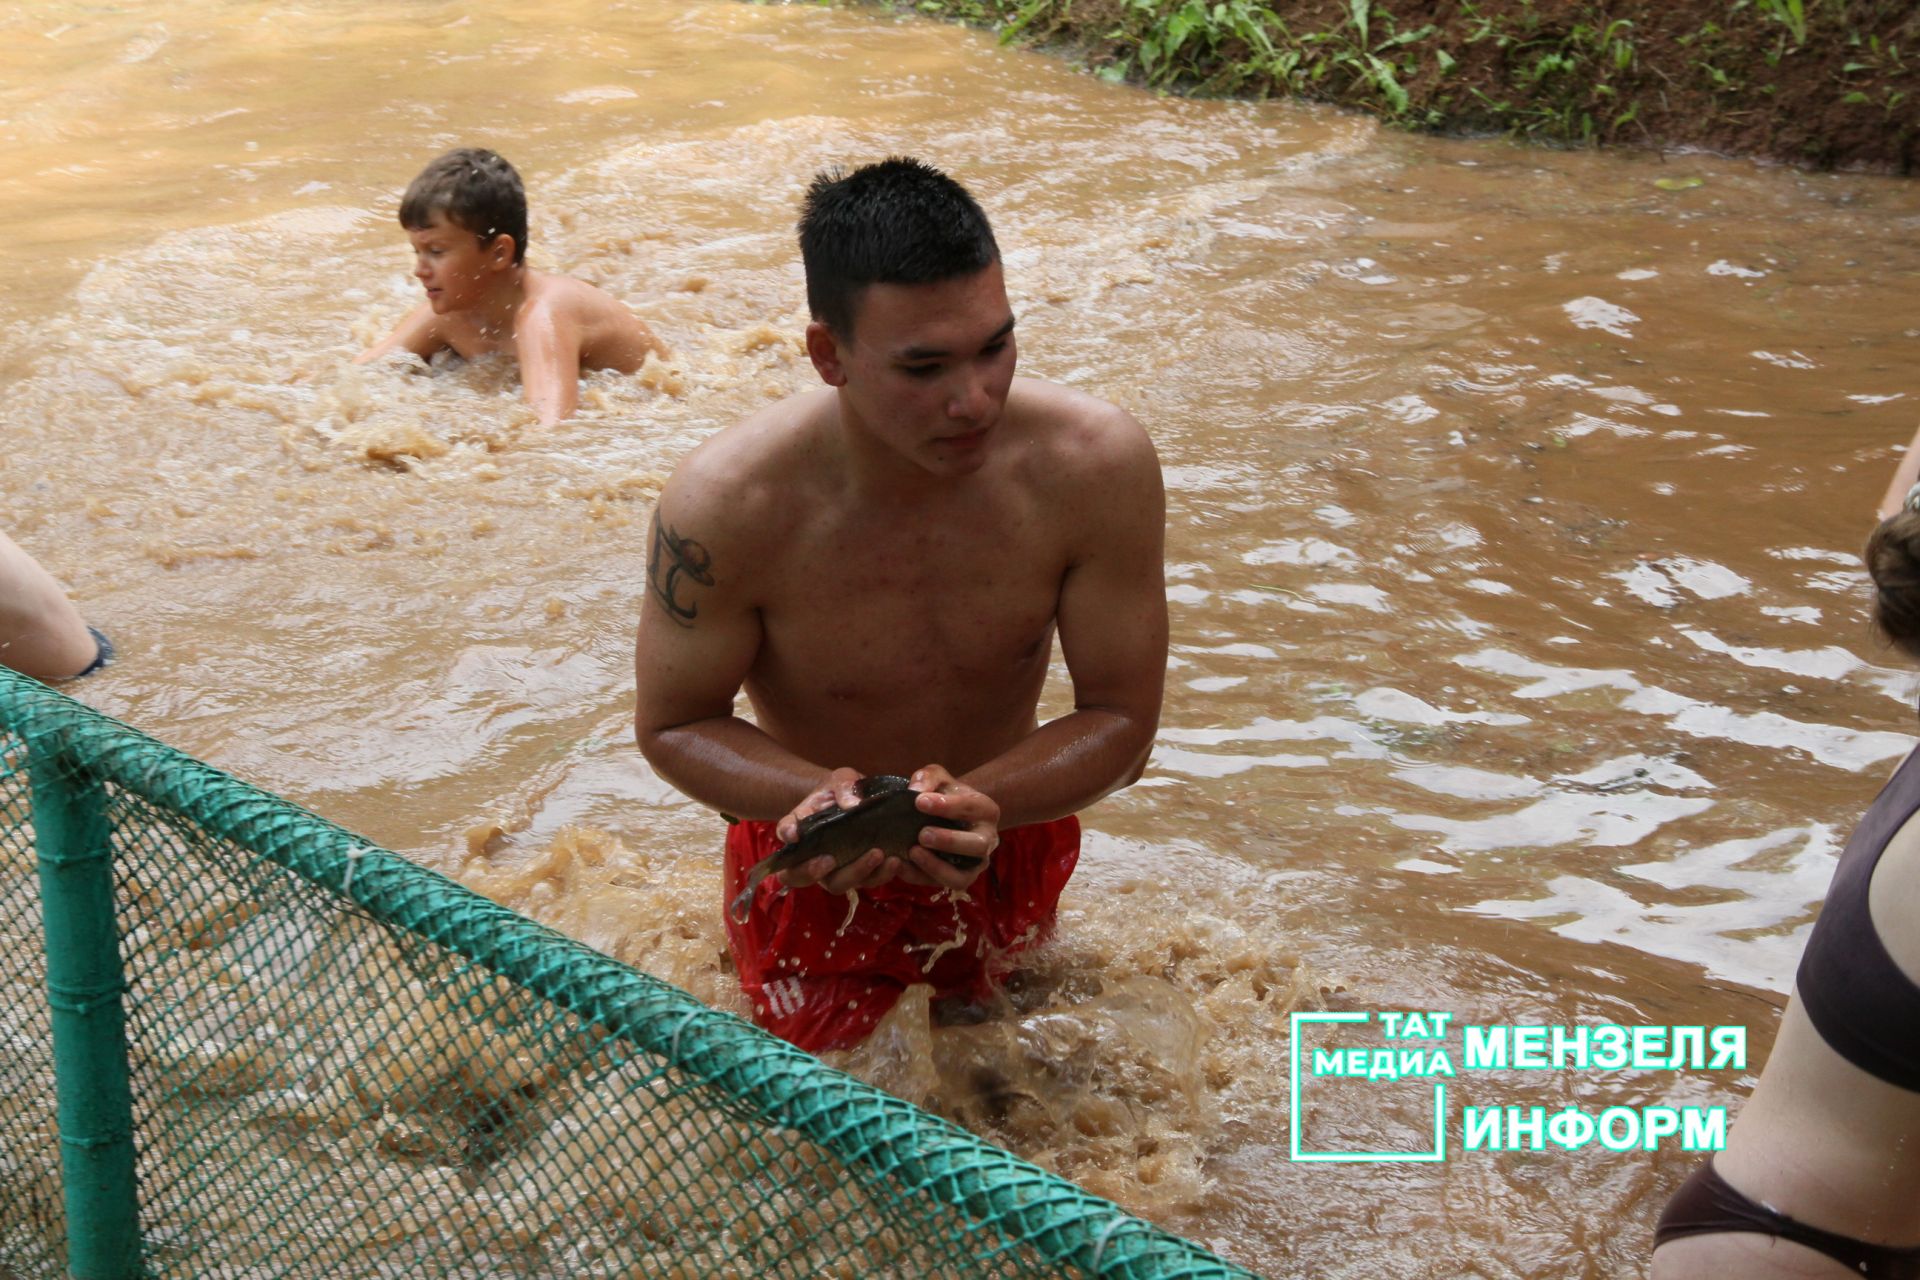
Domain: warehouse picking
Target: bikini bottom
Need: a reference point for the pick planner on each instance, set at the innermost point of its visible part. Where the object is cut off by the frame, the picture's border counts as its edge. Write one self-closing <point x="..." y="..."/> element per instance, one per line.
<point x="1706" y="1204"/>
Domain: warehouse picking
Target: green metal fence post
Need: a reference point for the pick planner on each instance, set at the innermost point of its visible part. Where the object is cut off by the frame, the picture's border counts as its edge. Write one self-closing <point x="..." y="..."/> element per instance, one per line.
<point x="84" y="986"/>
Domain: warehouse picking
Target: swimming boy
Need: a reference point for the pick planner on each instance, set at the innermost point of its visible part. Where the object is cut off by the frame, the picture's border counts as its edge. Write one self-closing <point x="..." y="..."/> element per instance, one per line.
<point x="466" y="215"/>
<point x="883" y="564"/>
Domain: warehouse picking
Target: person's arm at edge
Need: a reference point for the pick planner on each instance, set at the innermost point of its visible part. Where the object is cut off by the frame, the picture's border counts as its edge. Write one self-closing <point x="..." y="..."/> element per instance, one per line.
<point x="1113" y="634"/>
<point x="42" y="634"/>
<point x="419" y="333"/>
<point x="1904" y="477"/>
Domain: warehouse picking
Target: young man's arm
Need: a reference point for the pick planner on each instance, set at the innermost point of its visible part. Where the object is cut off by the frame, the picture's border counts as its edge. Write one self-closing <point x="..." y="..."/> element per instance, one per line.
<point x="418" y="333"/>
<point x="699" y="634"/>
<point x="547" y="341"/>
<point x="1113" y="634"/>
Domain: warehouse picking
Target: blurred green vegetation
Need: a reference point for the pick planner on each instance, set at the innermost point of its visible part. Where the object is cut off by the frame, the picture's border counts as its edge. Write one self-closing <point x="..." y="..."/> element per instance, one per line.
<point x="1572" y="72"/>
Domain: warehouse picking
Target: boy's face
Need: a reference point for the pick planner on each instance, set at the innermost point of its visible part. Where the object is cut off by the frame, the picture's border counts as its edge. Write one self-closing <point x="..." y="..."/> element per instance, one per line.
<point x="928" y="367"/>
<point x="451" y="264"/>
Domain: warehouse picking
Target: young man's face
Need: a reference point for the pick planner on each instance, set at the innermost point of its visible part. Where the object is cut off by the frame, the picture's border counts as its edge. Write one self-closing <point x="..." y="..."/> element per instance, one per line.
<point x="452" y="266"/>
<point x="929" y="365"/>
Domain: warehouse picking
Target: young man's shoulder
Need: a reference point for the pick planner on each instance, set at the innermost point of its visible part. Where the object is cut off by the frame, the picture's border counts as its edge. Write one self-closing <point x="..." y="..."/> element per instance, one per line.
<point x="1092" y="465"/>
<point x="1077" y="436"/>
<point x="739" y="481"/>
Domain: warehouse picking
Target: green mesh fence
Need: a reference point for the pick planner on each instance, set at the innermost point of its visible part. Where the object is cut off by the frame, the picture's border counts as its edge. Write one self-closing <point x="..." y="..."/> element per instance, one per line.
<point x="236" y="1040"/>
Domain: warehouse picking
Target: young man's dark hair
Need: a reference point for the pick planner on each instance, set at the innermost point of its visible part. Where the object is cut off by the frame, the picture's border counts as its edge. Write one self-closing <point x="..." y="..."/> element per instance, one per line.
<point x="897" y="222"/>
<point x="475" y="189"/>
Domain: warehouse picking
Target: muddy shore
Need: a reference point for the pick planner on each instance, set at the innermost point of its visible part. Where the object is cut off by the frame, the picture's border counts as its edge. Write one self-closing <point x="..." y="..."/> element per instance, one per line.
<point x="1821" y="84"/>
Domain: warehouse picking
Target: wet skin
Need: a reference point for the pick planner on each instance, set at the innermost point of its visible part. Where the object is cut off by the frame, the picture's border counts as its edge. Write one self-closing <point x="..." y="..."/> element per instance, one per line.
<point x="883" y="565"/>
<point x="1821" y="1140"/>
<point x="480" y="301"/>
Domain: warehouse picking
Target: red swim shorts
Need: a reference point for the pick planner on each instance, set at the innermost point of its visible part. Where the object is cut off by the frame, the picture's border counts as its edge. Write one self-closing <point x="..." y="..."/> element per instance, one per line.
<point x="822" y="969"/>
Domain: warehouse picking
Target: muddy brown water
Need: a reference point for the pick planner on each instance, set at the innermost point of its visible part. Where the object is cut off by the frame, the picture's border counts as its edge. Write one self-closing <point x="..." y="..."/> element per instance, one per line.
<point x="1520" y="657"/>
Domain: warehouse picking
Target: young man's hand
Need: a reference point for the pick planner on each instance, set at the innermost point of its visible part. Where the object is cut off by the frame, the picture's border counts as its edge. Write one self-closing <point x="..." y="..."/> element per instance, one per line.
<point x="840" y="788"/>
<point x="944" y="796"/>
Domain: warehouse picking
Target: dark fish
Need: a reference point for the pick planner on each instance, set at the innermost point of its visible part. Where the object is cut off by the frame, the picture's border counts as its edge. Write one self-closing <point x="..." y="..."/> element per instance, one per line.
<point x="885" y="819"/>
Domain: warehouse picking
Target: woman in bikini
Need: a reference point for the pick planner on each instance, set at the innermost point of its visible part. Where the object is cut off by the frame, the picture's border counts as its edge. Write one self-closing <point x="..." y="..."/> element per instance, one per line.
<point x="1821" y="1176"/>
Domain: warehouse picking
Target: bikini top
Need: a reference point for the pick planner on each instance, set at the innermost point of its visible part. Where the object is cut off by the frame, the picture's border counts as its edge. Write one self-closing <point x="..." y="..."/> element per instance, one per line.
<point x="1864" y="1007"/>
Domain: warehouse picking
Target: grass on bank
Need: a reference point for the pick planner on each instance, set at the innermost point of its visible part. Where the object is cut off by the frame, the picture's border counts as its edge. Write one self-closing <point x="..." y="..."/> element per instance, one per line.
<point x="1573" y="74"/>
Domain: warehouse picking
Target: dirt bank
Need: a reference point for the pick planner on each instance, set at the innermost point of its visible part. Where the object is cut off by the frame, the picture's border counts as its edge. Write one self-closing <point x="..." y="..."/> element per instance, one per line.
<point x="1818" y="83"/>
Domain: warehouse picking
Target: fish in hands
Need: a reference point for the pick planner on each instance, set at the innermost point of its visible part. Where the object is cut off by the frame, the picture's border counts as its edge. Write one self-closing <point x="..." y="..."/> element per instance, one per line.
<point x="885" y="819"/>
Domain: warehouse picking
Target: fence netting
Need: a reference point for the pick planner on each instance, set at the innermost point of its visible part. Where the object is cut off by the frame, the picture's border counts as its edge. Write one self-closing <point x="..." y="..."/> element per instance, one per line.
<point x="340" y="1063"/>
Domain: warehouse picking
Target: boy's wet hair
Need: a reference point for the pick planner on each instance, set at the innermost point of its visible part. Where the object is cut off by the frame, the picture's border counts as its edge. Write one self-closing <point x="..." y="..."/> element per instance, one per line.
<point x="896" y="222"/>
<point x="476" y="189"/>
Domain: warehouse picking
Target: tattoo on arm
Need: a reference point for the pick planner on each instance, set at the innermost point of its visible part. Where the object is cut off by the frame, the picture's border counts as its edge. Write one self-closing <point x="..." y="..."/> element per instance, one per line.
<point x="672" y="561"/>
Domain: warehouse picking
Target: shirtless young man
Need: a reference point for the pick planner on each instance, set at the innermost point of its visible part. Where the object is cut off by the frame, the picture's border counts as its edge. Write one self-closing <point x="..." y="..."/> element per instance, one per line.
<point x="883" y="565"/>
<point x="466" y="215"/>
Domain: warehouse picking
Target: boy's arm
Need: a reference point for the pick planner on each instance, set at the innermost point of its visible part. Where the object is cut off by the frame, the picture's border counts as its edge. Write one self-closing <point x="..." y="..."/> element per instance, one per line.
<point x="547" y="341"/>
<point x="699" y="634"/>
<point x="648" y="340"/>
<point x="418" y="333"/>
